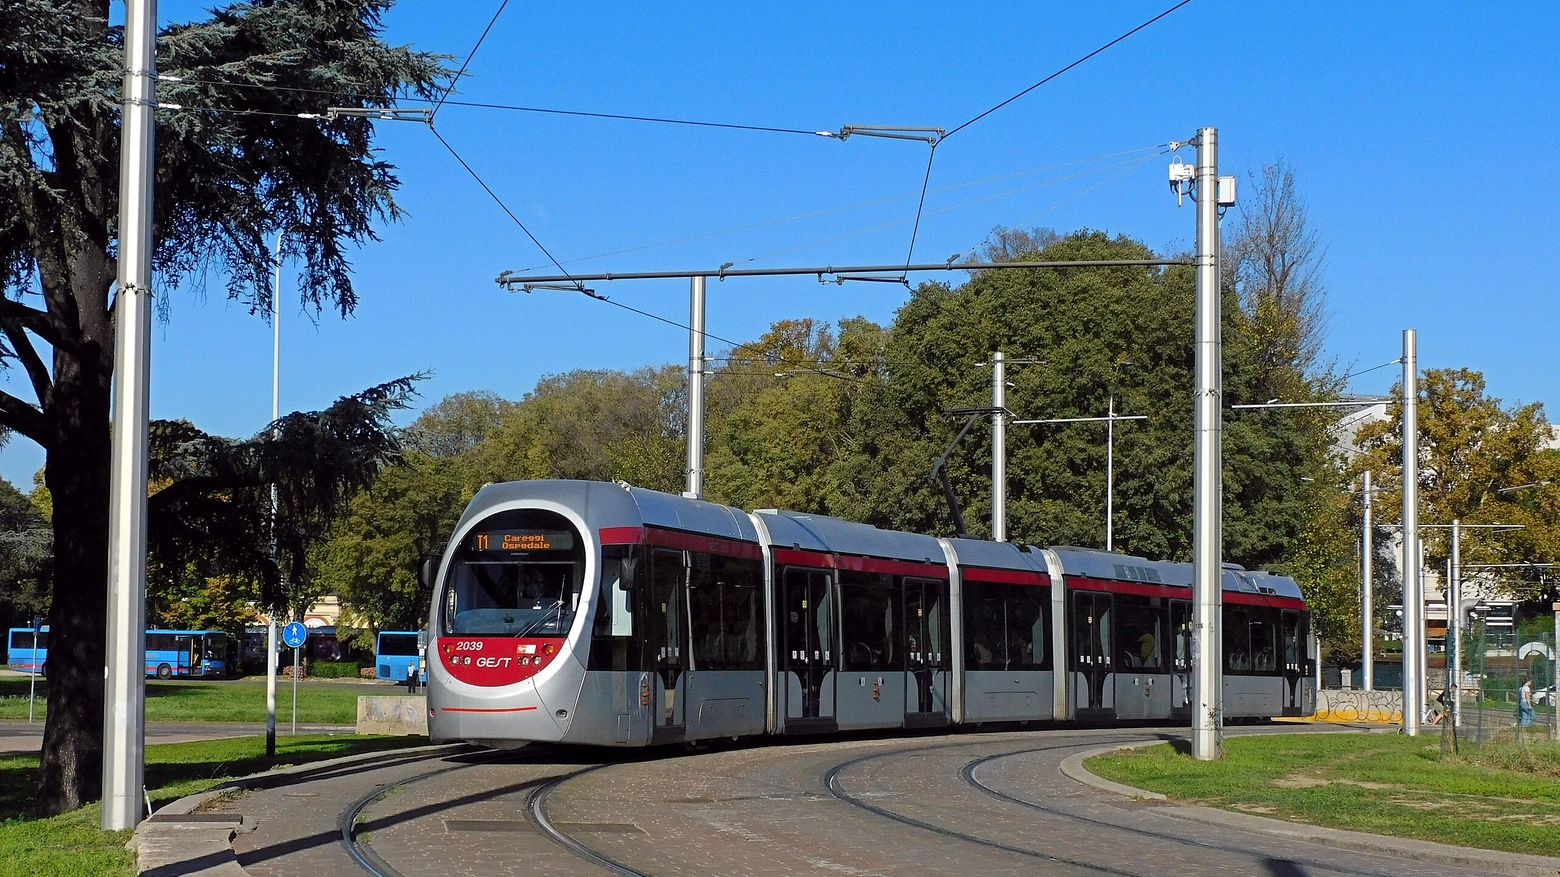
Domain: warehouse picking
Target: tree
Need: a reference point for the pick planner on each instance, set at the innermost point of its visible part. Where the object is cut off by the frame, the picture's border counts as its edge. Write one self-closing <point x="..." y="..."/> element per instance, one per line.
<point x="601" y="425"/>
<point x="232" y="169"/>
<point x="213" y="509"/>
<point x="25" y="550"/>
<point x="371" y="558"/>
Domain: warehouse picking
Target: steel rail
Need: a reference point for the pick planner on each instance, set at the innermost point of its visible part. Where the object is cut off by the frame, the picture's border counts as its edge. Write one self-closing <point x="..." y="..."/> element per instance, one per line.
<point x="536" y="808"/>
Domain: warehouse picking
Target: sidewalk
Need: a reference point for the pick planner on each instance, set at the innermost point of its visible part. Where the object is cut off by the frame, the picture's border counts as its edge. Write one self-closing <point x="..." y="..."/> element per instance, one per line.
<point x="18" y="737"/>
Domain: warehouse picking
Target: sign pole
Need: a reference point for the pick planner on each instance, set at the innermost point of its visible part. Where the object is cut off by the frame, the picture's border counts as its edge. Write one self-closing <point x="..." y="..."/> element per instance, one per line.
<point x="294" y="635"/>
<point x="32" y="681"/>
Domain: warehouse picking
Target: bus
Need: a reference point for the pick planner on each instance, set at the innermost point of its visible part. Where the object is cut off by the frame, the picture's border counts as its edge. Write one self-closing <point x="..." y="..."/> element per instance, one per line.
<point x="394" y="651"/>
<point x="171" y="653"/>
<point x="26" y="656"/>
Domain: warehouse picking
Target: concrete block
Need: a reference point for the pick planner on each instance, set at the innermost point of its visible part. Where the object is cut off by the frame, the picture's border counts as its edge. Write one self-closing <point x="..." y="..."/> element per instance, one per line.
<point x="395" y="716"/>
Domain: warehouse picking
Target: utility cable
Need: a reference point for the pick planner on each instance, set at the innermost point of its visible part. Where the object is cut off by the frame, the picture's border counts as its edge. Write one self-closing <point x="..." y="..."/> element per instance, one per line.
<point x="1371" y="369"/>
<point x="1065" y="69"/>
<point x="464" y="64"/>
<point x="348" y="96"/>
<point x="919" y="207"/>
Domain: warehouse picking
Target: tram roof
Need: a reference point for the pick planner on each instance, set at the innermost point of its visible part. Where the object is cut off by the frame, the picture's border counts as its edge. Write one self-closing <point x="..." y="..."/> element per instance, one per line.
<point x="998" y="555"/>
<point x="604" y="504"/>
<point x="839" y="536"/>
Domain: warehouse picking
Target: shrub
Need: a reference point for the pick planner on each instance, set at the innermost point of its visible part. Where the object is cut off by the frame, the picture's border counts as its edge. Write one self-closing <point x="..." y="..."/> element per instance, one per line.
<point x="334" y="670"/>
<point x="367" y="673"/>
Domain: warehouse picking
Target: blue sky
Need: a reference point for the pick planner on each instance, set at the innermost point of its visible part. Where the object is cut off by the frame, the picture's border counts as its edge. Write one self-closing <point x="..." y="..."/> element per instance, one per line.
<point x="1422" y="136"/>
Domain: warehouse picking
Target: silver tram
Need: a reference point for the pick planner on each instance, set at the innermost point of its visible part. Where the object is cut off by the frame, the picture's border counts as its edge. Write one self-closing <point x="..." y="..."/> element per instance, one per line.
<point x="604" y="614"/>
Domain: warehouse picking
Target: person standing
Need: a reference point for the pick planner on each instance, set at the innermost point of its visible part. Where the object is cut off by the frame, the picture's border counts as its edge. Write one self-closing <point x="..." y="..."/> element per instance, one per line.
<point x="1525" y="705"/>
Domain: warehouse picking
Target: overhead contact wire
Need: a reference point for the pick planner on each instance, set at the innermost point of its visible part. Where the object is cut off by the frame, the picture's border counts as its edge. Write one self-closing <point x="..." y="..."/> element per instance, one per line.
<point x="1065" y="69"/>
<point x="502" y="206"/>
<point x="466" y="63"/>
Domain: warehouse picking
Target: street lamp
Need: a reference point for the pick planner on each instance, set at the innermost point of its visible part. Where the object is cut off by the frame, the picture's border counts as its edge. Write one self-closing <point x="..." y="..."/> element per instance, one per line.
<point x="1110" y="456"/>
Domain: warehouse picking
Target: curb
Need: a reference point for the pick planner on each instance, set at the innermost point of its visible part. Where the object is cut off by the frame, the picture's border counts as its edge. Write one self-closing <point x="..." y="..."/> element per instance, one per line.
<point x="1073" y="769"/>
<point x="1481" y="860"/>
<point x="175" y="840"/>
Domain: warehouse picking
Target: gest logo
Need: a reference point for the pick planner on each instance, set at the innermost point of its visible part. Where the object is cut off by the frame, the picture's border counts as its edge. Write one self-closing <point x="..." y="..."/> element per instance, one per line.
<point x="493" y="662"/>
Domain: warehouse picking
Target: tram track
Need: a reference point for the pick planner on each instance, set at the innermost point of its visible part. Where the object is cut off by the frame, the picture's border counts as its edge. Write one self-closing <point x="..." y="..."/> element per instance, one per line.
<point x="967" y="774"/>
<point x="536" y="810"/>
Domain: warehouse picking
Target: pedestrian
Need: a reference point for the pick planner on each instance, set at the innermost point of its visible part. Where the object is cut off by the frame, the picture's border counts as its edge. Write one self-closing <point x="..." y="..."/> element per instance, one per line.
<point x="411" y="677"/>
<point x="1525" y="704"/>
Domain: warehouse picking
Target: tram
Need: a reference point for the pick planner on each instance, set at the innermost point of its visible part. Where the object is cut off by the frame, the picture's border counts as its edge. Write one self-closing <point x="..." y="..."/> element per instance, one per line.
<point x="605" y="614"/>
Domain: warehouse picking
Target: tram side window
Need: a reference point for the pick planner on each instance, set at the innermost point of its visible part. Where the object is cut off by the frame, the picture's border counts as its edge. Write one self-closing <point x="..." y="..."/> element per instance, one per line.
<point x="1028" y="617"/>
<point x="985" y="625"/>
<point x="869" y="607"/>
<point x="1005" y="626"/>
<point x="1264" y="651"/>
<point x="1237" y="639"/>
<point x="613" y="646"/>
<point x="726" y="613"/>
<point x="1140" y="621"/>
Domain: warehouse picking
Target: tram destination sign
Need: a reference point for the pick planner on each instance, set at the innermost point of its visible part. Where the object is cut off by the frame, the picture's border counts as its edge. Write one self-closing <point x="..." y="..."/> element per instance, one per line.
<point x="520" y="540"/>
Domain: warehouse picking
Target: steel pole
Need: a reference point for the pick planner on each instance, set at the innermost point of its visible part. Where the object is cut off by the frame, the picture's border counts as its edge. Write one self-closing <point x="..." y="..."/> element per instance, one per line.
<point x="1110" y="475"/>
<point x="1207" y="536"/>
<point x="1413" y="593"/>
<point x="1454" y="625"/>
<point x="1367" y="602"/>
<point x="696" y="391"/>
<point x="124" y="713"/>
<point x="998" y="447"/>
<point x="1554" y="668"/>
<point x="276" y="394"/>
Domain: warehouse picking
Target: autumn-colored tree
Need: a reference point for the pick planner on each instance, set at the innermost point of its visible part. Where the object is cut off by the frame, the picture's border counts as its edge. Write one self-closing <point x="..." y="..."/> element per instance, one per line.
<point x="1481" y="462"/>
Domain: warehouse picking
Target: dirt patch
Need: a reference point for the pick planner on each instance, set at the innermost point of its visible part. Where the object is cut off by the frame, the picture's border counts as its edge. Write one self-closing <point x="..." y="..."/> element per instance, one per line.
<point x="1299" y="781"/>
<point x="1254" y="808"/>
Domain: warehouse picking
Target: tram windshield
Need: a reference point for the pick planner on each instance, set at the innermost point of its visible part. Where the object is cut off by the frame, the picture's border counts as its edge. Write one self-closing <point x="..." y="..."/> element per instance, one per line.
<point x="517" y="573"/>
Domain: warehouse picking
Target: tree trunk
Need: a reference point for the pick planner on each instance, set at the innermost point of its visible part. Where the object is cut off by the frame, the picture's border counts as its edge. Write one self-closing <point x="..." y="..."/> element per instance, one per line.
<point x="77" y="475"/>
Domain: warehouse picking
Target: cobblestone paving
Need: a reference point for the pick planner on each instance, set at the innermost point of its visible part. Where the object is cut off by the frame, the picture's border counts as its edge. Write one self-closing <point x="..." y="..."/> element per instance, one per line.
<point x="898" y="806"/>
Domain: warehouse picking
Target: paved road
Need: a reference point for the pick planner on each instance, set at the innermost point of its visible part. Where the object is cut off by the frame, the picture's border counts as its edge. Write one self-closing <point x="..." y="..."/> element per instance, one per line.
<point x="19" y="736"/>
<point x="967" y="804"/>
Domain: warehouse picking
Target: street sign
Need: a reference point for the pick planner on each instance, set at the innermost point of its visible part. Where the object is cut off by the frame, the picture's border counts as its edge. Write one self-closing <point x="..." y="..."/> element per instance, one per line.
<point x="294" y="634"/>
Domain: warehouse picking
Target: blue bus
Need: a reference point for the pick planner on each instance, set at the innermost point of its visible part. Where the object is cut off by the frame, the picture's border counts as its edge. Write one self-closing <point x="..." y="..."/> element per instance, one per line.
<point x="394" y="652"/>
<point x="23" y="656"/>
<point x="171" y="653"/>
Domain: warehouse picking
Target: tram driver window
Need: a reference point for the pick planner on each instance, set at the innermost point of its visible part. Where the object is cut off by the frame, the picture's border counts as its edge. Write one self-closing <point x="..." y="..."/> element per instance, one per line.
<point x="517" y="573"/>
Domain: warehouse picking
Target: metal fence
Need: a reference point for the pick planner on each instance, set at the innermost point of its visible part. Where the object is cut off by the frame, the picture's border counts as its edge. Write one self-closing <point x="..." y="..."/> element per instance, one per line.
<point x="1495" y="665"/>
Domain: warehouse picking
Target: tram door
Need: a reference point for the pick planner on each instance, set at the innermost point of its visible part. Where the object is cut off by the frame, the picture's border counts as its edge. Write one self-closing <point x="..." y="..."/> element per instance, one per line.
<point x="666" y="643"/>
<point x="808" y="657"/>
<point x="1294" y="664"/>
<point x="1181" y="660"/>
<point x="1092" y="650"/>
<point x="926" y="652"/>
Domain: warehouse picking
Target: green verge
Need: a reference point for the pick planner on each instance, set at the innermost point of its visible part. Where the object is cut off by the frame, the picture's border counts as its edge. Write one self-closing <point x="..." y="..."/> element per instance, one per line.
<point x="72" y="845"/>
<point x="218" y="700"/>
<point x="1498" y="797"/>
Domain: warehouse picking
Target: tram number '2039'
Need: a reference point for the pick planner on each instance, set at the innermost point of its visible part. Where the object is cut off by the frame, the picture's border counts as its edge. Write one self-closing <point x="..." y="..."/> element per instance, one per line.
<point x="468" y="646"/>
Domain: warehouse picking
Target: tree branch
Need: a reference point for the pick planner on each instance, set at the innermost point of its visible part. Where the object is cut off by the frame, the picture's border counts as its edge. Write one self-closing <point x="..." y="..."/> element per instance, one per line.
<point x="26" y="419"/>
<point x="22" y="346"/>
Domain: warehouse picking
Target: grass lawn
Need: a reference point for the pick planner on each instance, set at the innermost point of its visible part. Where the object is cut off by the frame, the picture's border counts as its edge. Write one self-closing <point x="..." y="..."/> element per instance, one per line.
<point x="72" y="845"/>
<point x="1500" y="797"/>
<point x="218" y="701"/>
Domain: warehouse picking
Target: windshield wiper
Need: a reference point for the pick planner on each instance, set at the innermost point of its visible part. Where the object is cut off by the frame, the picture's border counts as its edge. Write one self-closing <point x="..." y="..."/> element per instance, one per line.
<point x="556" y="606"/>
